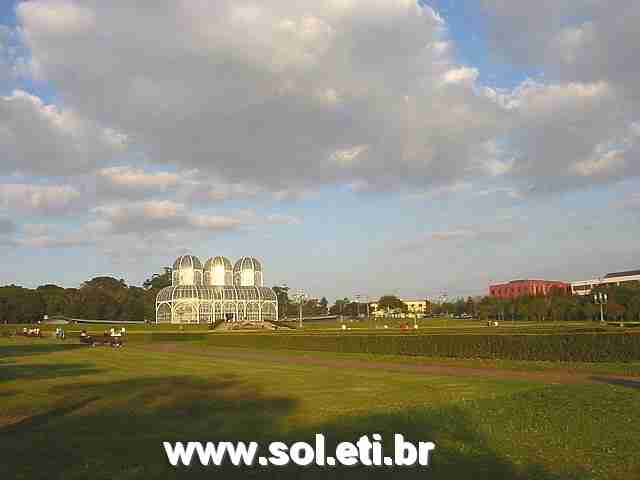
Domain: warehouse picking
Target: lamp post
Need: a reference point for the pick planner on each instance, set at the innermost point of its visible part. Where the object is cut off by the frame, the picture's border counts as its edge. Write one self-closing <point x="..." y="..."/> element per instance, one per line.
<point x="601" y="299"/>
<point x="300" y="297"/>
<point x="368" y="313"/>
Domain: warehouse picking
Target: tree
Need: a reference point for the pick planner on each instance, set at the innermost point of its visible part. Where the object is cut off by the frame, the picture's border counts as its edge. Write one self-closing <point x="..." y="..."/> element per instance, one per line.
<point x="20" y="305"/>
<point x="633" y="309"/>
<point x="55" y="299"/>
<point x="538" y="308"/>
<point x="158" y="281"/>
<point x="391" y="303"/>
<point x="615" y="311"/>
<point x="152" y="287"/>
<point x="324" y="304"/>
<point x="282" y="294"/>
<point x="470" y="307"/>
<point x="338" y="308"/>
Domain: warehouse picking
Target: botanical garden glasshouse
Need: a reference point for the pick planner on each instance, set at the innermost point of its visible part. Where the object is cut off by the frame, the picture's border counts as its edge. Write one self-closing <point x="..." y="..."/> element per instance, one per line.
<point x="216" y="292"/>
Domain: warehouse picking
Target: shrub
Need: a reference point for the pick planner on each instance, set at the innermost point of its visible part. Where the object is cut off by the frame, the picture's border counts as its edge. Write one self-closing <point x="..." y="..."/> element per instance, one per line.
<point x="603" y="347"/>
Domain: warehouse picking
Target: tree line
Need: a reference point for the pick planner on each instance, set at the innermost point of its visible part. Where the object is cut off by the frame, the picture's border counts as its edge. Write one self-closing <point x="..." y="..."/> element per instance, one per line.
<point x="111" y="299"/>
<point x="623" y="305"/>
<point x="101" y="298"/>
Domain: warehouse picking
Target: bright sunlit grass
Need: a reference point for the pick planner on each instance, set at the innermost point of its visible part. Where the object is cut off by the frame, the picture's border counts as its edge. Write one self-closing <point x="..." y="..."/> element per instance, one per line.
<point x="102" y="413"/>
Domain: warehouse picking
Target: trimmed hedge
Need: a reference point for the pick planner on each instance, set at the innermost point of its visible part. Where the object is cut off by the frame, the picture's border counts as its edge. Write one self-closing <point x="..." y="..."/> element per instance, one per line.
<point x="605" y="347"/>
<point x="149" y="337"/>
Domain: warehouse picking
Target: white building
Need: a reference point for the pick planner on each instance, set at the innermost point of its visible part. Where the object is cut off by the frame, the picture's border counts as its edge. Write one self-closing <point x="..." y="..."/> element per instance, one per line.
<point x="216" y="292"/>
<point x="585" y="287"/>
<point x="415" y="308"/>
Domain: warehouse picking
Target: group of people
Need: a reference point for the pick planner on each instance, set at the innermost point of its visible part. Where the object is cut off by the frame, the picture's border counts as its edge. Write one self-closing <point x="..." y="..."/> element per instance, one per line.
<point x="111" y="337"/>
<point x="31" y="332"/>
<point x="60" y="334"/>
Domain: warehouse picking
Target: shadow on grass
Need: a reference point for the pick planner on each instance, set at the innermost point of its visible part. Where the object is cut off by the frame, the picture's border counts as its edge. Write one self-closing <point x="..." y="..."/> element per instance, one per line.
<point x="27" y="349"/>
<point x="41" y="420"/>
<point x="620" y="382"/>
<point x="10" y="371"/>
<point x="115" y="431"/>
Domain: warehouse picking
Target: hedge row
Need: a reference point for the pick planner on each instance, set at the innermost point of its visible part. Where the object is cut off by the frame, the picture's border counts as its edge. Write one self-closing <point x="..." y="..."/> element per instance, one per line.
<point x="606" y="347"/>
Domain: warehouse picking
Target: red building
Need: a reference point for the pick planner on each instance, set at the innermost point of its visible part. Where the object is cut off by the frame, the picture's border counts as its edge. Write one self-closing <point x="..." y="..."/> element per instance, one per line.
<point x="521" y="288"/>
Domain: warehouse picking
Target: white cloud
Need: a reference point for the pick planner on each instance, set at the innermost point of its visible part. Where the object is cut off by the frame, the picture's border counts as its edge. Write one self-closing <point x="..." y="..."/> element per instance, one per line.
<point x="45" y="242"/>
<point x="57" y="17"/>
<point x="366" y="94"/>
<point x="38" y="199"/>
<point x="136" y="180"/>
<point x="461" y="75"/>
<point x="44" y="139"/>
<point x="333" y="75"/>
<point x="152" y="216"/>
<point x="574" y="40"/>
<point x="606" y="163"/>
<point x="501" y="232"/>
<point x="44" y="236"/>
<point x="567" y="136"/>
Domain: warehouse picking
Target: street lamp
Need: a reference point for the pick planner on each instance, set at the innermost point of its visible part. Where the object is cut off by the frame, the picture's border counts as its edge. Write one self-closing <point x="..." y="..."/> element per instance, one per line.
<point x="300" y="297"/>
<point x="601" y="299"/>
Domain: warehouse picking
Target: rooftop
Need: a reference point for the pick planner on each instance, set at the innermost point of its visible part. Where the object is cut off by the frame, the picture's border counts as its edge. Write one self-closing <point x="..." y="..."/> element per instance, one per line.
<point x="629" y="273"/>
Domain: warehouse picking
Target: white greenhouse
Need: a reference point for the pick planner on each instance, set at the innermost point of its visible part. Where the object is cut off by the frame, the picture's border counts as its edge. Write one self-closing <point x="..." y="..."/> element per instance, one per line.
<point x="216" y="292"/>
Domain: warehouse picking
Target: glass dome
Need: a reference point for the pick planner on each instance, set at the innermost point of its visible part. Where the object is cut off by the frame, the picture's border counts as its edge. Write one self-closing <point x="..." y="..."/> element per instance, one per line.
<point x="187" y="261"/>
<point x="247" y="272"/>
<point x="187" y="270"/>
<point x="218" y="271"/>
<point x="219" y="292"/>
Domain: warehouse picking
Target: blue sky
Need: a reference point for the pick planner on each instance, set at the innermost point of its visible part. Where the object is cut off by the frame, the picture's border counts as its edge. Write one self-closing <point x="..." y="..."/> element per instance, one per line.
<point x="354" y="147"/>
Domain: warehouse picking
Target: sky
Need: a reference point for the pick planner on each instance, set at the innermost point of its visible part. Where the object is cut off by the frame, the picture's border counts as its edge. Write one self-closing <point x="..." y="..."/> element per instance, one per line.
<point x="356" y="147"/>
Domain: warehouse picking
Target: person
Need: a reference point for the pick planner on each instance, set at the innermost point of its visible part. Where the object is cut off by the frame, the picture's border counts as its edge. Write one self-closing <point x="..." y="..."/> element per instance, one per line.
<point x="61" y="334"/>
<point x="123" y="331"/>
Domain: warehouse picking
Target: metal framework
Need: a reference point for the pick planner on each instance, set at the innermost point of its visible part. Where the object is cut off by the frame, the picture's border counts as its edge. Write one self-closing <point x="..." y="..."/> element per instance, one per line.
<point x="208" y="295"/>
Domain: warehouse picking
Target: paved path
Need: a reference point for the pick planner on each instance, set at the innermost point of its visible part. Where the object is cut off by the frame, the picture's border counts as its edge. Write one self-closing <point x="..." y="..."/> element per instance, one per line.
<point x="563" y="377"/>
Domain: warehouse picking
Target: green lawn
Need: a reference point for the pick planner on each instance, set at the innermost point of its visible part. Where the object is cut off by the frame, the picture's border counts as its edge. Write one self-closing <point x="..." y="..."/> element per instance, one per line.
<point x="70" y="411"/>
<point x="428" y="326"/>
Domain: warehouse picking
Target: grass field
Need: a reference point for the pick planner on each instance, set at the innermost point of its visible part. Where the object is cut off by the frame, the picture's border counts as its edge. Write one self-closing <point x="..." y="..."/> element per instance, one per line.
<point x="70" y="411"/>
<point x="431" y="326"/>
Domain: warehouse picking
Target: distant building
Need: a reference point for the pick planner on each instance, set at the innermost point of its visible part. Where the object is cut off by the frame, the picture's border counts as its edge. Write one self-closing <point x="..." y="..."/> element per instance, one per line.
<point x="418" y="308"/>
<point x="585" y="287"/>
<point x="530" y="288"/>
